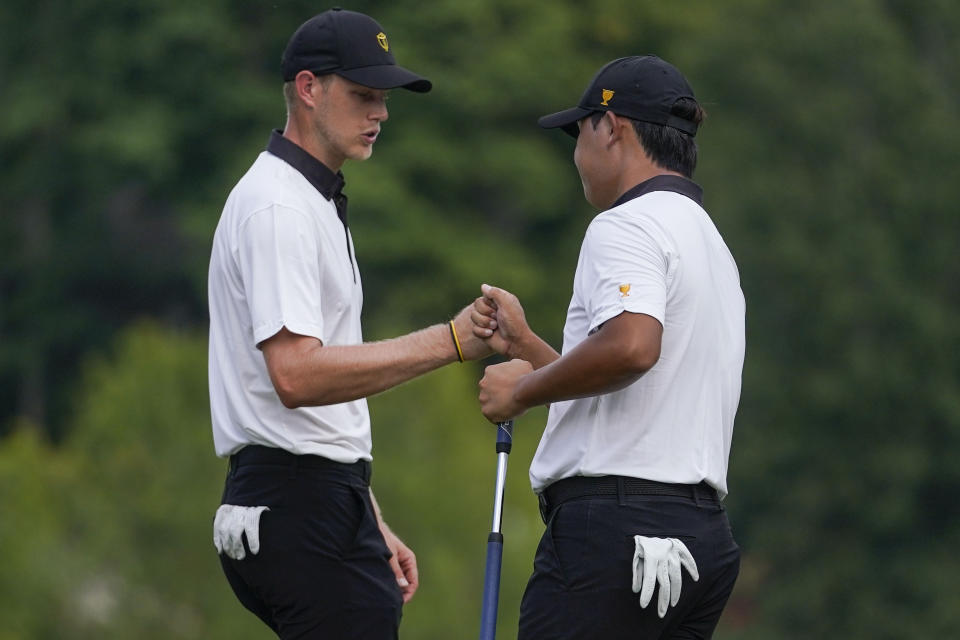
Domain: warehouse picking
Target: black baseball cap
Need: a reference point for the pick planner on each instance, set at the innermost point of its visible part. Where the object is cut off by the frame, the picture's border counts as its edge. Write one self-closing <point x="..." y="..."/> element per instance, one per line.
<point x="349" y="44"/>
<point x="638" y="87"/>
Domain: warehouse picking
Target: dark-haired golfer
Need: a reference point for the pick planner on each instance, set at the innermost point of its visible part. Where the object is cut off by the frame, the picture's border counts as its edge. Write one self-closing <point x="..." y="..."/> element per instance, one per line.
<point x="632" y="465"/>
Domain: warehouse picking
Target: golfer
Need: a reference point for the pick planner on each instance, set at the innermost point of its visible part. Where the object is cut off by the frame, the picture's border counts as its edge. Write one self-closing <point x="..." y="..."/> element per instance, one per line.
<point x="631" y="468"/>
<point x="300" y="536"/>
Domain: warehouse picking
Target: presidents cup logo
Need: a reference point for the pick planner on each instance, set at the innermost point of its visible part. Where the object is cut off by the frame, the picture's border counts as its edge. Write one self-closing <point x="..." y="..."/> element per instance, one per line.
<point x="625" y="291"/>
<point x="382" y="41"/>
<point x="607" y="94"/>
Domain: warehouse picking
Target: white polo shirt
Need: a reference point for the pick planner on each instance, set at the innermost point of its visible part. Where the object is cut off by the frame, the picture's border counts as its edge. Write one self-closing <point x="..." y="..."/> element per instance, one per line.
<point x="282" y="258"/>
<point x="655" y="252"/>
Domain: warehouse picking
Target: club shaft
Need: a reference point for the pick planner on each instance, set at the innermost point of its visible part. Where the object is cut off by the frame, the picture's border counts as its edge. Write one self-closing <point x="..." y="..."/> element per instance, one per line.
<point x="498" y="492"/>
<point x="491" y="579"/>
<point x="491" y="587"/>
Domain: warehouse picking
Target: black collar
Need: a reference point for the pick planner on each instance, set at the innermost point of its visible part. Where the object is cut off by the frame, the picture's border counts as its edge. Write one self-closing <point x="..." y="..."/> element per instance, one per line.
<point x="328" y="183"/>
<point x="677" y="184"/>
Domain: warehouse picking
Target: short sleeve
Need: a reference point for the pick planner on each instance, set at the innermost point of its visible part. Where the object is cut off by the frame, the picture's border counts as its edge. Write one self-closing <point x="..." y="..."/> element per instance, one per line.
<point x="627" y="269"/>
<point x="279" y="260"/>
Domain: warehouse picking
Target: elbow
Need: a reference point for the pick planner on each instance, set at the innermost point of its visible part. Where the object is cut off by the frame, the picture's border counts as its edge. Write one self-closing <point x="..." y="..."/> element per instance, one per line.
<point x="296" y="392"/>
<point x="637" y="361"/>
<point x="290" y="402"/>
<point x="289" y="397"/>
<point x="289" y="392"/>
<point x="290" y="362"/>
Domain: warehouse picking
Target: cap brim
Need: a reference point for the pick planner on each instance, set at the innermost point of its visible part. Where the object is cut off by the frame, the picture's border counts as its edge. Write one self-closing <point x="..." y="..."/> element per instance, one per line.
<point x="566" y="120"/>
<point x="386" y="76"/>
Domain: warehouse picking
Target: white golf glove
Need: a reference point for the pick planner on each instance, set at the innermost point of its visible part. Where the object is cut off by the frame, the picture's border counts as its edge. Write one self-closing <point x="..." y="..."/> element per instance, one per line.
<point x="659" y="560"/>
<point x="229" y="525"/>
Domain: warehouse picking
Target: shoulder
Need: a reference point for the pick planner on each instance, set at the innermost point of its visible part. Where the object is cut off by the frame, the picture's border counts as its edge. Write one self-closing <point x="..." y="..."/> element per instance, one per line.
<point x="653" y="213"/>
<point x="272" y="185"/>
<point x="630" y="218"/>
<point x="638" y="229"/>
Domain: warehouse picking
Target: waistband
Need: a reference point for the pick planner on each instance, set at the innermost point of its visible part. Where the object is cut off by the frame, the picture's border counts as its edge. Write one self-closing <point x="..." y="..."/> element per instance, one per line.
<point x="257" y="454"/>
<point x="587" y="487"/>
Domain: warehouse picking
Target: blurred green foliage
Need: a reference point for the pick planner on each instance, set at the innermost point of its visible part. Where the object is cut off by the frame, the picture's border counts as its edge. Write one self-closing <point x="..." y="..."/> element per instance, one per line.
<point x="829" y="162"/>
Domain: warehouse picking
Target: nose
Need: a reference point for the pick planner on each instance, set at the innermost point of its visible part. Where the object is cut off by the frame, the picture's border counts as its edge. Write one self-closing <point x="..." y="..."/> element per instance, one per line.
<point x="380" y="113"/>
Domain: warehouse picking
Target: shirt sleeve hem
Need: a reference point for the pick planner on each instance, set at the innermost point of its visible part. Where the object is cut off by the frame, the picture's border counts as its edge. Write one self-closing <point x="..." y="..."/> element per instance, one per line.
<point x="270" y="329"/>
<point x="612" y="311"/>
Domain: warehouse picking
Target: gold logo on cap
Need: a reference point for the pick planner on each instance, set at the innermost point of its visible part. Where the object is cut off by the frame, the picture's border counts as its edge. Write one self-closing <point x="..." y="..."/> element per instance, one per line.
<point x="607" y="94"/>
<point x="624" y="288"/>
<point x="382" y="41"/>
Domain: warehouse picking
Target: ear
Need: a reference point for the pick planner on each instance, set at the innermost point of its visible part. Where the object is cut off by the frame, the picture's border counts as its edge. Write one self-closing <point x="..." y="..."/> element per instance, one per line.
<point x="614" y="127"/>
<point x="307" y="87"/>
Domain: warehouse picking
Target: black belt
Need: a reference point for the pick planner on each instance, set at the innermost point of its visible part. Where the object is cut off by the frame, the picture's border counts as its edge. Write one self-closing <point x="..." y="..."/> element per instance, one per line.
<point x="588" y="487"/>
<point x="257" y="454"/>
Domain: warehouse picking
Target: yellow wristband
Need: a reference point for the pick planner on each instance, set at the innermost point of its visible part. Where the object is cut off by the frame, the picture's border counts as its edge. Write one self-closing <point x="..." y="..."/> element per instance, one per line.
<point x="456" y="342"/>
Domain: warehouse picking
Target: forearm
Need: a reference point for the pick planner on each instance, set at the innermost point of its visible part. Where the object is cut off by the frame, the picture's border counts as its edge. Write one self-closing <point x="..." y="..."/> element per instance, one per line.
<point x="534" y="350"/>
<point x="579" y="374"/>
<point x="615" y="356"/>
<point x="325" y="375"/>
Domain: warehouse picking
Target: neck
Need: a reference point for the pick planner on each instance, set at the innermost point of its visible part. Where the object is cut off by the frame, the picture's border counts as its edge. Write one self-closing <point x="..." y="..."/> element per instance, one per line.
<point x="304" y="136"/>
<point x="637" y="170"/>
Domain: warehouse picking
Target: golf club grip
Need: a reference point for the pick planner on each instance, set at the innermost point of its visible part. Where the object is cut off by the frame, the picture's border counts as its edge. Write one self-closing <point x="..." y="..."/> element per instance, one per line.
<point x="491" y="587"/>
<point x="504" y="436"/>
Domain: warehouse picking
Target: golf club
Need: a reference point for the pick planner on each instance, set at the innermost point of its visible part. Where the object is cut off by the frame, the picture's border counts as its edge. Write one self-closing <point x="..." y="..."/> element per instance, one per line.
<point x="491" y="580"/>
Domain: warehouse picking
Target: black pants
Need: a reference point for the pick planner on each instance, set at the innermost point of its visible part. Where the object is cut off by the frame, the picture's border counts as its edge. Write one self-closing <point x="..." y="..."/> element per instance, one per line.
<point x="323" y="567"/>
<point x="582" y="574"/>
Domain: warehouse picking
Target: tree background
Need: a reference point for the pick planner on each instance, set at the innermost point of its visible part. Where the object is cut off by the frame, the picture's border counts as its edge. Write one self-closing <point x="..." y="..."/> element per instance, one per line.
<point x="830" y="164"/>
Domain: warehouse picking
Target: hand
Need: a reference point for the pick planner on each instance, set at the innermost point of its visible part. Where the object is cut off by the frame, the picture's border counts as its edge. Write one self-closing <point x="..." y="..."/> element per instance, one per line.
<point x="658" y="560"/>
<point x="403" y="561"/>
<point x="474" y="347"/>
<point x="497" y="387"/>
<point x="499" y="319"/>
<point x="229" y="526"/>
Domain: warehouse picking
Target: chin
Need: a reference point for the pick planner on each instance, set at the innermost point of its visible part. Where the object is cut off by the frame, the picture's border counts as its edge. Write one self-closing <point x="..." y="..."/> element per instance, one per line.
<point x="361" y="154"/>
